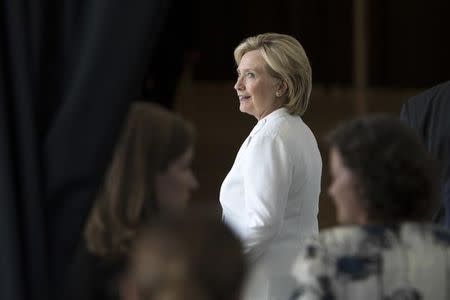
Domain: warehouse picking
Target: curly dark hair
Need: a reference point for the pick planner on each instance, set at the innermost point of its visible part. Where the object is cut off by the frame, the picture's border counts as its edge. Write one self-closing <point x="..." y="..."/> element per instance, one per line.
<point x="395" y="175"/>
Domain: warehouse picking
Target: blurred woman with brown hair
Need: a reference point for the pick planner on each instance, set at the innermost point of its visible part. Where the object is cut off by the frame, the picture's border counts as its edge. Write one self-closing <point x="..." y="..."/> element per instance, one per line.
<point x="150" y="174"/>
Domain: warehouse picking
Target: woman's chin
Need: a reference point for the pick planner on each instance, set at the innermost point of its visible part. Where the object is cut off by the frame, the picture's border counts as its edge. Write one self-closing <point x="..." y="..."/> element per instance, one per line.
<point x="244" y="107"/>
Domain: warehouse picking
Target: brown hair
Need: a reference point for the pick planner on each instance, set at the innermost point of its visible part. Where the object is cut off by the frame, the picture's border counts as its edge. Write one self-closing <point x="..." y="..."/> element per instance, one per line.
<point x="192" y="257"/>
<point x="151" y="138"/>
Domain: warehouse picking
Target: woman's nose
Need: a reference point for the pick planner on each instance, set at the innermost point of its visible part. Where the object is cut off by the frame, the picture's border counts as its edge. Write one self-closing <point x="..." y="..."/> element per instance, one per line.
<point x="238" y="85"/>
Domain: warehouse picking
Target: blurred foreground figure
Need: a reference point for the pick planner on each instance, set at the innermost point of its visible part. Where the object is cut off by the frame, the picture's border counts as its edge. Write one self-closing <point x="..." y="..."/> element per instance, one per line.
<point x="149" y="176"/>
<point x="384" y="187"/>
<point x="190" y="258"/>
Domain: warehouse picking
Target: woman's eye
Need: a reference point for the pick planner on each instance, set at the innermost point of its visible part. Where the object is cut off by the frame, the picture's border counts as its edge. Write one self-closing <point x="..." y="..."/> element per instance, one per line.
<point x="250" y="75"/>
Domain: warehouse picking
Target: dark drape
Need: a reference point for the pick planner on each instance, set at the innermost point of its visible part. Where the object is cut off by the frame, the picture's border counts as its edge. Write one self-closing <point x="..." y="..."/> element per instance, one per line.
<point x="68" y="71"/>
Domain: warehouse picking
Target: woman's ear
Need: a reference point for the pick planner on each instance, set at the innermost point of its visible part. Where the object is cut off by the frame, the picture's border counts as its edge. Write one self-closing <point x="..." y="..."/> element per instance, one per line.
<point x="281" y="88"/>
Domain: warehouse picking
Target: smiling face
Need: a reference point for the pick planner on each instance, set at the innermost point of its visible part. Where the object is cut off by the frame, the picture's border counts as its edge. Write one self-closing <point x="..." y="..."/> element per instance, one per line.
<point x="343" y="191"/>
<point x="175" y="184"/>
<point x="258" y="92"/>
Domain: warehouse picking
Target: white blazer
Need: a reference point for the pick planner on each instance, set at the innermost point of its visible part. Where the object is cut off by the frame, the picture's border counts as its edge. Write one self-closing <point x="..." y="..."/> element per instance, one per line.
<point x="270" y="199"/>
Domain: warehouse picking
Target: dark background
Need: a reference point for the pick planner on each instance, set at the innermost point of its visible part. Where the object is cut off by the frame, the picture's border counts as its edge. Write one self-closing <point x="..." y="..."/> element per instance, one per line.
<point x="408" y="44"/>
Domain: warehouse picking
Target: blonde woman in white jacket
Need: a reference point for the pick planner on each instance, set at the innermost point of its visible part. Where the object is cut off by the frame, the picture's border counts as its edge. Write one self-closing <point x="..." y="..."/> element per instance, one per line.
<point x="270" y="196"/>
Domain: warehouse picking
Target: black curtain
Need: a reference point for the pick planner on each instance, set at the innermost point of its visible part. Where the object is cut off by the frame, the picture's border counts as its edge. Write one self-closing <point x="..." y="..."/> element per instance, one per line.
<point x="68" y="71"/>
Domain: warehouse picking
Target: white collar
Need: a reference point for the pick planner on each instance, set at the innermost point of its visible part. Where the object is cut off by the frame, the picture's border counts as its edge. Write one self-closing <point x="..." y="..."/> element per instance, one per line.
<point x="272" y="116"/>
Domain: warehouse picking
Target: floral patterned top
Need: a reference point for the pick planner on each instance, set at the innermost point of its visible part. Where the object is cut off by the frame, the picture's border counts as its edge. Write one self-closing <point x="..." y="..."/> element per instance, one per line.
<point x="410" y="261"/>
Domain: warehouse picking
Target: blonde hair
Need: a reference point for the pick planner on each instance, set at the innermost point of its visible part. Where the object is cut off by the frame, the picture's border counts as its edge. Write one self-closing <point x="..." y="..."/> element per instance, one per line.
<point x="151" y="138"/>
<point x="285" y="60"/>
